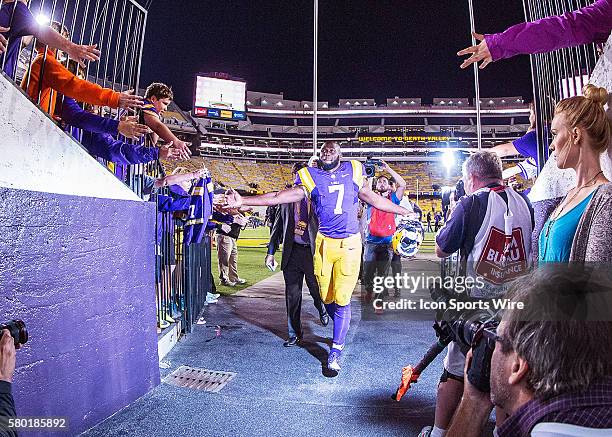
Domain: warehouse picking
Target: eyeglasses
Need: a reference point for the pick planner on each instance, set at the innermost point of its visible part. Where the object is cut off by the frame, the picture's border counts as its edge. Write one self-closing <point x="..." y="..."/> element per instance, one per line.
<point x="491" y="334"/>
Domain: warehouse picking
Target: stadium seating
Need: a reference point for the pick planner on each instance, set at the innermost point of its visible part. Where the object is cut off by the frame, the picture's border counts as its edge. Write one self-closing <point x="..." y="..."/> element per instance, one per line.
<point x="273" y="176"/>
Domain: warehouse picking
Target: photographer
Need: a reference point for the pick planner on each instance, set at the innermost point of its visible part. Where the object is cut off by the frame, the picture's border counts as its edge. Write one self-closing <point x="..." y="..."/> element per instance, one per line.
<point x="378" y="251"/>
<point x="491" y="229"/>
<point x="545" y="369"/>
<point x="7" y="367"/>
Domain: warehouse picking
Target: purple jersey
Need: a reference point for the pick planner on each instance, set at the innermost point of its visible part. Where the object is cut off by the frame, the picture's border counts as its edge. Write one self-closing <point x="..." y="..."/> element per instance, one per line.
<point x="334" y="197"/>
<point x="149" y="107"/>
<point x="20" y="24"/>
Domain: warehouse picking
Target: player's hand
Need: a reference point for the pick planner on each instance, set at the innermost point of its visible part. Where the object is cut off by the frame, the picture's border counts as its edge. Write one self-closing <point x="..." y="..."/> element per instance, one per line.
<point x="83" y="53"/>
<point x="7" y="356"/>
<point x="478" y="53"/>
<point x="270" y="262"/>
<point x="385" y="166"/>
<point x="233" y="199"/>
<point x="127" y="99"/>
<point x="3" y="41"/>
<point x="130" y="128"/>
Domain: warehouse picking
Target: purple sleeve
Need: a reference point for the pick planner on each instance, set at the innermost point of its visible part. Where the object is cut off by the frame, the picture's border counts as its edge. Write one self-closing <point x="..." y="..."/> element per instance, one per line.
<point x="74" y="115"/>
<point x="106" y="147"/>
<point x="7" y="404"/>
<point x="589" y="24"/>
<point x="527" y="145"/>
<point x="217" y="219"/>
<point x="168" y="204"/>
<point x="23" y="22"/>
<point x="298" y="179"/>
<point x="451" y="236"/>
<point x="222" y="218"/>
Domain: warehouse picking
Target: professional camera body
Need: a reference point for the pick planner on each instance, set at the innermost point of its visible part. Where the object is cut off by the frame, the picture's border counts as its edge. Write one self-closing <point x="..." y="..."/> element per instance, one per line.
<point x="17" y="329"/>
<point x="452" y="195"/>
<point x="459" y="190"/>
<point x="370" y="166"/>
<point x="470" y="329"/>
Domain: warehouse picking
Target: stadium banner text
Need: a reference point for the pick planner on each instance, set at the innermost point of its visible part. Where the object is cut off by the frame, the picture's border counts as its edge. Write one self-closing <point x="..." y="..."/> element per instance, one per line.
<point x="404" y="138"/>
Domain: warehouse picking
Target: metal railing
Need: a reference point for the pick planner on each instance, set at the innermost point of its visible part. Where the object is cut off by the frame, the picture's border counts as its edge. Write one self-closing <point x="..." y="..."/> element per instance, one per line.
<point x="198" y="279"/>
<point x="182" y="272"/>
<point x="559" y="74"/>
<point x="117" y="27"/>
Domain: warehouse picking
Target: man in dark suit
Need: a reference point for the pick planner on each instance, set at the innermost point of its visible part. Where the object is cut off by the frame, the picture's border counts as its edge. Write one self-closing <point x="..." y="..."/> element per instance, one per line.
<point x="296" y="226"/>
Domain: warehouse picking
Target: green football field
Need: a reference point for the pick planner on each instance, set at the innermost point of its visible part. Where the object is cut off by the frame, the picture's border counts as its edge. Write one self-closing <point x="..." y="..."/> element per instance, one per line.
<point x="252" y="253"/>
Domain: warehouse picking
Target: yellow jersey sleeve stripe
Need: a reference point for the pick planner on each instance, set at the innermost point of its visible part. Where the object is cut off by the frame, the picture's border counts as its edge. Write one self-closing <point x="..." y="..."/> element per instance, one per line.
<point x="357" y="173"/>
<point x="198" y="221"/>
<point x="150" y="109"/>
<point x="307" y="181"/>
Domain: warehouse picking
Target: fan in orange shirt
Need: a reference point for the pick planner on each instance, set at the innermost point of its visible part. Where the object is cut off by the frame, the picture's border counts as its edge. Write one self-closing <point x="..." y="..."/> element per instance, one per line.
<point x="58" y="79"/>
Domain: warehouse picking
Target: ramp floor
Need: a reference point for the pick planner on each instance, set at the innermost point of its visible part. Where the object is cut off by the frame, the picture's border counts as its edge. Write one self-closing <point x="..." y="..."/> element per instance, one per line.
<point x="280" y="391"/>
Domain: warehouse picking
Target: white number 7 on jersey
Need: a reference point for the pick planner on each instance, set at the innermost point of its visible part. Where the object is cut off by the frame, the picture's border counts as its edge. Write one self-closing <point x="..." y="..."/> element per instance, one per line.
<point x="340" y="189"/>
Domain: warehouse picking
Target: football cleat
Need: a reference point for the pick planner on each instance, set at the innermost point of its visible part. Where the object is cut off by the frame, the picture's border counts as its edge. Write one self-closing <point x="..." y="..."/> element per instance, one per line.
<point x="333" y="360"/>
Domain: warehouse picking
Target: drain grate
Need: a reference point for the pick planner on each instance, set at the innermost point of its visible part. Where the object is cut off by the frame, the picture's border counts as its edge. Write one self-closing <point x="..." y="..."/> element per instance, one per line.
<point x="199" y="379"/>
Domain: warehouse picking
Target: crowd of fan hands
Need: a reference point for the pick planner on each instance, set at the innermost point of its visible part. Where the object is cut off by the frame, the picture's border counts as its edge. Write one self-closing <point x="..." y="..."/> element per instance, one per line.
<point x="128" y="126"/>
<point x="172" y="148"/>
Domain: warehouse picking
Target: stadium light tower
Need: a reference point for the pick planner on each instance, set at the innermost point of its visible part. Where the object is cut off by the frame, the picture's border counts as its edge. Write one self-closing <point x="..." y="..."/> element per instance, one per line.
<point x="315" y="79"/>
<point x="448" y="159"/>
<point x="476" y="81"/>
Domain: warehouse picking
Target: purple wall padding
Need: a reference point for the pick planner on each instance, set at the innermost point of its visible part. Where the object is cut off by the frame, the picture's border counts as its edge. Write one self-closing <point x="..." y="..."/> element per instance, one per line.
<point x="80" y="272"/>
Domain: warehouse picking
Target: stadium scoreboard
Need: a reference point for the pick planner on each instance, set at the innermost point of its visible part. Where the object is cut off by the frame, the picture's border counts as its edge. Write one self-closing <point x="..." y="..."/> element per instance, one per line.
<point x="219" y="96"/>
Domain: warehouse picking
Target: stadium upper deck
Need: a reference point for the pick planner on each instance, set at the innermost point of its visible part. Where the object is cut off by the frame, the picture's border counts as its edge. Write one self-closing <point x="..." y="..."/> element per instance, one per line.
<point x="402" y="129"/>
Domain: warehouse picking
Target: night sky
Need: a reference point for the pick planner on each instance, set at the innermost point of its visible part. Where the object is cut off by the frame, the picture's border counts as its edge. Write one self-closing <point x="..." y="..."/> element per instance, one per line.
<point x="367" y="49"/>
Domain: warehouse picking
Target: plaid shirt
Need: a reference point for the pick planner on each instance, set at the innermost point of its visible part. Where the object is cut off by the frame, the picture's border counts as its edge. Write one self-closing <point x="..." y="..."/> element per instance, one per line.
<point x="590" y="408"/>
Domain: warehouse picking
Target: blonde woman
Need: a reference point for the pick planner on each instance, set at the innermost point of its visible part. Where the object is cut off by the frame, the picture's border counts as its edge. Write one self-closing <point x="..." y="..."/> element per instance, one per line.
<point x="579" y="229"/>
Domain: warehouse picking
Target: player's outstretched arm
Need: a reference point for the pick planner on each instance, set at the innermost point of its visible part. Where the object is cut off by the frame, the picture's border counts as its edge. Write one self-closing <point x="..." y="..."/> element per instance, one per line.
<point x="380" y="202"/>
<point x="290" y="195"/>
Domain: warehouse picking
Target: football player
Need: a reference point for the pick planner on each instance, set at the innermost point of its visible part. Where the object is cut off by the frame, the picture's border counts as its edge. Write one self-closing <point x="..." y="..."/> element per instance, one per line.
<point x="334" y="188"/>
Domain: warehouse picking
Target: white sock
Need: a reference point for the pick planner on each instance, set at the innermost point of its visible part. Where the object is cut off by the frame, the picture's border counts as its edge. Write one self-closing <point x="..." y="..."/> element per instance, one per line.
<point x="337" y="346"/>
<point x="437" y="432"/>
<point x="495" y="432"/>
